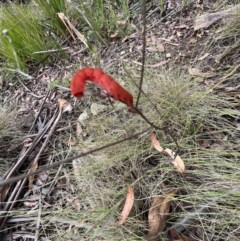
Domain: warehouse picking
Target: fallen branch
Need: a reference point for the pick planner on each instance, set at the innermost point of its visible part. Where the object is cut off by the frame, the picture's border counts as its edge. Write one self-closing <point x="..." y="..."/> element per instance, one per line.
<point x="206" y="20"/>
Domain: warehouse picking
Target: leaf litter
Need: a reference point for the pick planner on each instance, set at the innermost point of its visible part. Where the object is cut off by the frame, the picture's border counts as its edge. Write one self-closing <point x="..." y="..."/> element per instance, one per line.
<point x="127" y="206"/>
<point x="158" y="214"/>
<point x="177" y="160"/>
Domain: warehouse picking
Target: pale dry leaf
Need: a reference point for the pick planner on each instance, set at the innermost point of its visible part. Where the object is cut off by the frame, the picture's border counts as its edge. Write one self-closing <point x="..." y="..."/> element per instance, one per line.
<point x="115" y="34"/>
<point x="203" y="57"/>
<point x="61" y="103"/>
<point x="71" y="143"/>
<point x="121" y="22"/>
<point x="30" y="204"/>
<point x="64" y="105"/>
<point x="181" y="26"/>
<point x="192" y="41"/>
<point x="156" y="143"/>
<point x="157" y="64"/>
<point x="127" y="206"/>
<point x="198" y="72"/>
<point x="158" y="212"/>
<point x="160" y="47"/>
<point x="78" y="205"/>
<point x="177" y="161"/>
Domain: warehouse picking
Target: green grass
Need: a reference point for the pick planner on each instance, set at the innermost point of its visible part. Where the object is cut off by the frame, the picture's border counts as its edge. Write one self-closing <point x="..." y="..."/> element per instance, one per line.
<point x="100" y="180"/>
<point x="52" y="22"/>
<point x="105" y="20"/>
<point x="22" y="35"/>
<point x="37" y="28"/>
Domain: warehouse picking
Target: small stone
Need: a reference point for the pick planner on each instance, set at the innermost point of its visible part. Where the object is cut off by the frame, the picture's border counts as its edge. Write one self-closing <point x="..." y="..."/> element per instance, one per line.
<point x="168" y="55"/>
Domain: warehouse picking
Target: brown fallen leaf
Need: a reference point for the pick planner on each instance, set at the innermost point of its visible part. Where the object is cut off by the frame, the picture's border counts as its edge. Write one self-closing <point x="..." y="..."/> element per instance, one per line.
<point x="177" y="161"/>
<point x="64" y="105"/>
<point x="127" y="206"/>
<point x="157" y="215"/>
<point x="33" y="168"/>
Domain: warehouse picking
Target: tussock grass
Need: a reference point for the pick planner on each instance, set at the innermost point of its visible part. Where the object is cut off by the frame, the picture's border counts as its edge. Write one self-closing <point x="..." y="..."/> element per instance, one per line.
<point x="195" y="118"/>
<point x="50" y="10"/>
<point x="105" y="20"/>
<point x="24" y="36"/>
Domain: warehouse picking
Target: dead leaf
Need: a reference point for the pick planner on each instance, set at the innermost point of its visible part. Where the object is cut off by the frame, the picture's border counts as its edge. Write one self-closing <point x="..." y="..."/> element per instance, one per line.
<point x="203" y="57"/>
<point x="71" y="143"/>
<point x="78" y="205"/>
<point x="121" y="22"/>
<point x="64" y="105"/>
<point x="208" y="19"/>
<point x="30" y="204"/>
<point x="177" y="161"/>
<point x="198" y="72"/>
<point x="181" y="26"/>
<point x="33" y="168"/>
<point x="158" y="212"/>
<point x="160" y="47"/>
<point x="192" y="41"/>
<point x="156" y="143"/>
<point x="127" y="206"/>
<point x="157" y="64"/>
<point x="61" y="103"/>
<point x="115" y="34"/>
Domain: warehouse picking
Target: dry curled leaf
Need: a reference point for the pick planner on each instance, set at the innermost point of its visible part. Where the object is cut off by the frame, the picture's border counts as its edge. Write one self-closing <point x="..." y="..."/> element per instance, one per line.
<point x="33" y="168"/>
<point x="127" y="206"/>
<point x="157" y="215"/>
<point x="177" y="161"/>
<point x="64" y="105"/>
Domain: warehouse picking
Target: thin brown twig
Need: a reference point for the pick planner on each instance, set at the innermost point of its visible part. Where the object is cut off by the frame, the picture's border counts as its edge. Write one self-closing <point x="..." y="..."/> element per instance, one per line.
<point x="143" y="49"/>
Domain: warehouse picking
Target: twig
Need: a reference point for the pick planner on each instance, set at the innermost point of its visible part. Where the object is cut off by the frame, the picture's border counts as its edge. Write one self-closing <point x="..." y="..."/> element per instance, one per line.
<point x="50" y="51"/>
<point x="143" y="50"/>
<point x="56" y="164"/>
<point x="39" y="112"/>
<point x="27" y="89"/>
